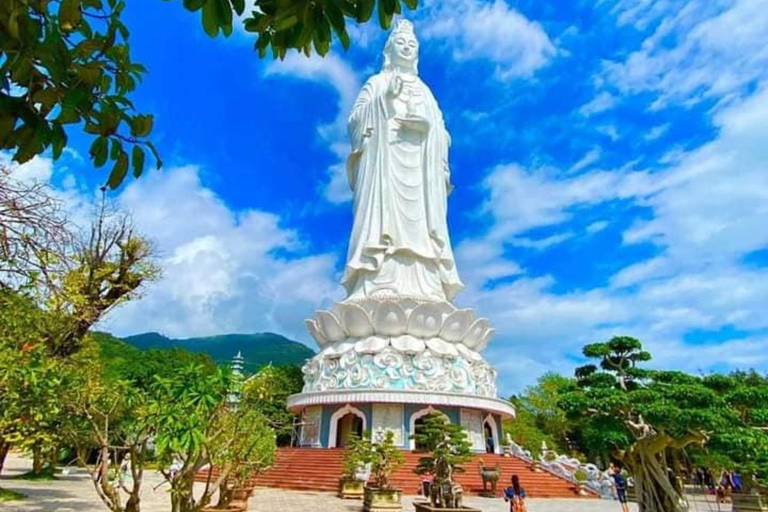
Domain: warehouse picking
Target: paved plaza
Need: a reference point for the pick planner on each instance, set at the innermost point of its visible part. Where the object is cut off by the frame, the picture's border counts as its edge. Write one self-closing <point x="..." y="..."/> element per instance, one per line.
<point x="74" y="492"/>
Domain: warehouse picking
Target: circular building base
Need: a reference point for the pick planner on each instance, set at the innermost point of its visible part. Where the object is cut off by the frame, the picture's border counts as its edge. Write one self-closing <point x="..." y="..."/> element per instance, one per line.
<point x="330" y="417"/>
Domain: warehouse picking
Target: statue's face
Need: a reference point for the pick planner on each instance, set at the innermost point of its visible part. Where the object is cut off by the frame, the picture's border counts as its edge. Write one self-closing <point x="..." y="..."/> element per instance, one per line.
<point x="405" y="47"/>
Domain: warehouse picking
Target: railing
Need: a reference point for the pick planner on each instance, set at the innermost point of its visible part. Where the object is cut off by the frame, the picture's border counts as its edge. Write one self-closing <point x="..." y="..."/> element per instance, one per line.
<point x="599" y="482"/>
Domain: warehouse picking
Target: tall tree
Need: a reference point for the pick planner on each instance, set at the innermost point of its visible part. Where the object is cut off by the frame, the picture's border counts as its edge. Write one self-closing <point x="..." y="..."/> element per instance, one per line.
<point x="108" y="265"/>
<point x="34" y="235"/>
<point x="539" y="415"/>
<point x="643" y="418"/>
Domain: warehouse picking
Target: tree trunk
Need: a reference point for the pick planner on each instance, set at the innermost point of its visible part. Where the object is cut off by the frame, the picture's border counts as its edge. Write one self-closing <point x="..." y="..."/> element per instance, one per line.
<point x="37" y="458"/>
<point x="654" y="491"/>
<point x="82" y="456"/>
<point x="4" y="449"/>
<point x="53" y="458"/>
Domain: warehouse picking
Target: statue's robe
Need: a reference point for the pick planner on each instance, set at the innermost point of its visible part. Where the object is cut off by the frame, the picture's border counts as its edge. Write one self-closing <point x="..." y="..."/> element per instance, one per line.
<point x="399" y="244"/>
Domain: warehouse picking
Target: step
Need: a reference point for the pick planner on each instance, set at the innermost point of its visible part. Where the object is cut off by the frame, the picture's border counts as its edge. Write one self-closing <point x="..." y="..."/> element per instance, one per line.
<point x="317" y="469"/>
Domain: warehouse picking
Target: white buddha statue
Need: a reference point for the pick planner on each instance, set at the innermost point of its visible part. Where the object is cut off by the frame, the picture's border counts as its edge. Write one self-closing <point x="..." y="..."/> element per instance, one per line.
<point x="398" y="171"/>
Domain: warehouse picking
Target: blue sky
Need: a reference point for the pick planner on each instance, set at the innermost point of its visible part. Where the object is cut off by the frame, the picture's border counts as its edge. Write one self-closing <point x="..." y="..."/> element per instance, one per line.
<point x="609" y="160"/>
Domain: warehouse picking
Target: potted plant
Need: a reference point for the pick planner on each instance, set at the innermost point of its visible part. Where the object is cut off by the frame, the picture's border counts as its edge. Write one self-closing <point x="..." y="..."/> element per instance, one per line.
<point x="447" y="449"/>
<point x="580" y="475"/>
<point x="357" y="467"/>
<point x="385" y="459"/>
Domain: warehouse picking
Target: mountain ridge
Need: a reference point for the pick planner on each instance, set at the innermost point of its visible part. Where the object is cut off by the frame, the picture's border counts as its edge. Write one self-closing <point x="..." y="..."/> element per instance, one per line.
<point x="258" y="349"/>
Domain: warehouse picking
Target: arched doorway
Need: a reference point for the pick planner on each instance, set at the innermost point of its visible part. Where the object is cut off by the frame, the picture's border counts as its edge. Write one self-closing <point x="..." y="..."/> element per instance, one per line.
<point x="344" y="422"/>
<point x="490" y="434"/>
<point x="348" y="424"/>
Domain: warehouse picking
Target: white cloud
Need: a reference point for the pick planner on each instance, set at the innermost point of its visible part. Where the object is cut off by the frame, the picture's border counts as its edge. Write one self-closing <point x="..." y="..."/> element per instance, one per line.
<point x="656" y="132"/>
<point x="224" y="271"/>
<point x="37" y="169"/>
<point x="600" y="103"/>
<point x="540" y="243"/>
<point x="597" y="226"/>
<point x="609" y="131"/>
<point x="706" y="210"/>
<point x="701" y="49"/>
<point x="592" y="156"/>
<point x="490" y="31"/>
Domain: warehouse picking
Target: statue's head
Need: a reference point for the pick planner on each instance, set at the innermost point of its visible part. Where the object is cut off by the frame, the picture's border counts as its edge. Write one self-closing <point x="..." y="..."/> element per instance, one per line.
<point x="402" y="48"/>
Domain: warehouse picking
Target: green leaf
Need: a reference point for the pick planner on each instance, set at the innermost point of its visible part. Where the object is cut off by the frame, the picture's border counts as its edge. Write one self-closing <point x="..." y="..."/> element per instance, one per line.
<point x="118" y="171"/>
<point x="386" y="12"/>
<point x="141" y="125"/>
<point x="137" y="160"/>
<point x="238" y="6"/>
<point x="411" y="4"/>
<point x="58" y="140"/>
<point x="193" y="5"/>
<point x="211" y="19"/>
<point x="286" y="23"/>
<point x="365" y="10"/>
<point x="99" y="151"/>
<point x="225" y="16"/>
<point x="69" y="15"/>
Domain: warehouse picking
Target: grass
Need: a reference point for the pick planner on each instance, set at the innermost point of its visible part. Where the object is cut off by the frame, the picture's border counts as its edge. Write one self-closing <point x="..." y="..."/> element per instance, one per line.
<point x="8" y="495"/>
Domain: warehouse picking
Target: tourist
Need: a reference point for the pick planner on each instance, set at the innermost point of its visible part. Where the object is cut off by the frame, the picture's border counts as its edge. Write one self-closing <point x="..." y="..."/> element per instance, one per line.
<point x="515" y="495"/>
<point x="620" y="484"/>
<point x="709" y="481"/>
<point x="736" y="481"/>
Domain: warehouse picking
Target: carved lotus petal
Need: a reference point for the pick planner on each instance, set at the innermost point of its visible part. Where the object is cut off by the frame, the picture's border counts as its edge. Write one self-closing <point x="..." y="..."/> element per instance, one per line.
<point x="316" y="334"/>
<point x="476" y="333"/>
<point x="485" y="340"/>
<point x="330" y="327"/>
<point x="338" y="349"/>
<point x="408" y="344"/>
<point x="441" y="347"/>
<point x="357" y="321"/>
<point x="389" y="319"/>
<point x="371" y="345"/>
<point x="425" y="320"/>
<point x="456" y="325"/>
<point x="467" y="353"/>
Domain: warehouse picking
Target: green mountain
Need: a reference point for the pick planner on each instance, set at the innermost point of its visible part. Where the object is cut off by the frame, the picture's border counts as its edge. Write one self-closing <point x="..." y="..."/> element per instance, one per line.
<point x="257" y="349"/>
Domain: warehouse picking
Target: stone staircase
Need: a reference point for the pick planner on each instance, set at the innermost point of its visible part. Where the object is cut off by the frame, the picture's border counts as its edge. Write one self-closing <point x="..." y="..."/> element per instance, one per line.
<point x="312" y="469"/>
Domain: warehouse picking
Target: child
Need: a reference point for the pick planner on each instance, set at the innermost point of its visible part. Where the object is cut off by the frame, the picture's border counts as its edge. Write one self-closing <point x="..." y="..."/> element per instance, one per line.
<point x="515" y="495"/>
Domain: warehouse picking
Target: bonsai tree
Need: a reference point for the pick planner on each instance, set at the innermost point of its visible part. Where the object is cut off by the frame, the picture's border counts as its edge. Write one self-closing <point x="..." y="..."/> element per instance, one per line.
<point x="447" y="449"/>
<point x="385" y="459"/>
<point x="358" y="457"/>
<point x="642" y="418"/>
